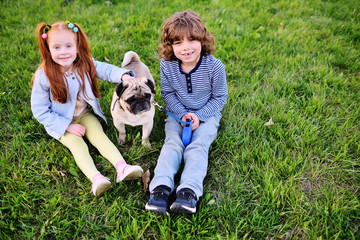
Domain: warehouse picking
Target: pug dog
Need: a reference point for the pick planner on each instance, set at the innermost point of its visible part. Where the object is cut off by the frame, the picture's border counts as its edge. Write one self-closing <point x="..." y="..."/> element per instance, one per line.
<point x="132" y="99"/>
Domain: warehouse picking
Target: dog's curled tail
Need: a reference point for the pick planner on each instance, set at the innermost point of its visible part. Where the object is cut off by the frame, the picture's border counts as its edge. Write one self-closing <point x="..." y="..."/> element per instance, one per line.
<point x="129" y="57"/>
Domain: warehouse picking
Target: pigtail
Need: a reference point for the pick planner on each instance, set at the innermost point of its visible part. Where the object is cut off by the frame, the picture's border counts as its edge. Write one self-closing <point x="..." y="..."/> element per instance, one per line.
<point x="58" y="83"/>
<point x="84" y="63"/>
<point x="43" y="47"/>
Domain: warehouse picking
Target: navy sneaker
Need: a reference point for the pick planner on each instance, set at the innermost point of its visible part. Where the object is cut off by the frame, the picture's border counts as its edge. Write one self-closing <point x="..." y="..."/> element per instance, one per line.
<point x="185" y="202"/>
<point x="158" y="202"/>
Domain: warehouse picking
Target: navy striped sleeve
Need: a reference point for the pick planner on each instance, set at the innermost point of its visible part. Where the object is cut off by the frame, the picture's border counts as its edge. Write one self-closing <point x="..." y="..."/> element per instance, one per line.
<point x="168" y="92"/>
<point x="219" y="93"/>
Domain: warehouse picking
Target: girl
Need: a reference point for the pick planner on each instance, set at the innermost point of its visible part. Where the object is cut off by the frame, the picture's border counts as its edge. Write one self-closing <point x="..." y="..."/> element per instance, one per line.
<point x="193" y="86"/>
<point x="64" y="87"/>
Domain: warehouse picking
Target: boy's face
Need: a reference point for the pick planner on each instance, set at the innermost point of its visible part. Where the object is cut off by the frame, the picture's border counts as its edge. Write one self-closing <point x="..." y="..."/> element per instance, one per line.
<point x="188" y="51"/>
<point x="62" y="47"/>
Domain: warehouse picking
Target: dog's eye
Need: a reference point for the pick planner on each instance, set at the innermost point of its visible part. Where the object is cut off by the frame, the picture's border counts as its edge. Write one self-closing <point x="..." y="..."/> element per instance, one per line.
<point x="147" y="95"/>
<point x="130" y="100"/>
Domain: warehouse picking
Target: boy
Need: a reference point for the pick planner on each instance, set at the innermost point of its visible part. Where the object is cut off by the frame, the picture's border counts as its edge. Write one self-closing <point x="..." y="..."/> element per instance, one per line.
<point x="193" y="86"/>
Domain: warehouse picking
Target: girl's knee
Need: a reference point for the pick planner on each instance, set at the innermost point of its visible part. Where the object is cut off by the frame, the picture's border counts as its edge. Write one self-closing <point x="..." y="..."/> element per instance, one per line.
<point x="99" y="136"/>
<point x="71" y="139"/>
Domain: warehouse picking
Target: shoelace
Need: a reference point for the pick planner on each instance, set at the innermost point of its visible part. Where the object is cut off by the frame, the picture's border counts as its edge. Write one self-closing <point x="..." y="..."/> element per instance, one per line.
<point x="159" y="195"/>
<point x="186" y="195"/>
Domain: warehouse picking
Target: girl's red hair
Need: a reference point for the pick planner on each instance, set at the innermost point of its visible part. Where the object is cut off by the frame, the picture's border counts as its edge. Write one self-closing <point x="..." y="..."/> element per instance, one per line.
<point x="83" y="64"/>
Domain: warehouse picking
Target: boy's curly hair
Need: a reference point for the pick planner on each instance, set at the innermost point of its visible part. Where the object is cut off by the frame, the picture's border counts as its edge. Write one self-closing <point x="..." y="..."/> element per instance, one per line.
<point x="184" y="24"/>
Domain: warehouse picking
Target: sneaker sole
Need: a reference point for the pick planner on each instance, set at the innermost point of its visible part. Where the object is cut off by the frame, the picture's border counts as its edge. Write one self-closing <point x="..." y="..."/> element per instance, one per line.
<point x="178" y="208"/>
<point x="157" y="210"/>
<point x="102" y="188"/>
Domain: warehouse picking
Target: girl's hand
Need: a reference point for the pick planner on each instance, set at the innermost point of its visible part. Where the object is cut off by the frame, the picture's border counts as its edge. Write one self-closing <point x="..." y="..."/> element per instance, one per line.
<point x="125" y="76"/>
<point x="76" y="129"/>
<point x="194" y="118"/>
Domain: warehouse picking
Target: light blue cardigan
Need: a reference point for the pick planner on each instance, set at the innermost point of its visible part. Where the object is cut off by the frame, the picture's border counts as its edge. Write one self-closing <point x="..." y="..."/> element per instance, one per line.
<point x="56" y="116"/>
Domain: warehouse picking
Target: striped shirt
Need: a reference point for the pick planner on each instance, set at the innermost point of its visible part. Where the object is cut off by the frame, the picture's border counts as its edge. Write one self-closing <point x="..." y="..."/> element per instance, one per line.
<point x="202" y="91"/>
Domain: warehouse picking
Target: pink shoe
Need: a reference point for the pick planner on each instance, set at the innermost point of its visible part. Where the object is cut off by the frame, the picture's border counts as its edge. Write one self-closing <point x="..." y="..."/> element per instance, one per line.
<point x="100" y="185"/>
<point x="128" y="172"/>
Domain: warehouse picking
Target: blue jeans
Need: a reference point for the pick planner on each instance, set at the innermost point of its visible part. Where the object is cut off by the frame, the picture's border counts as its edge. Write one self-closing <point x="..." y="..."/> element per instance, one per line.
<point x="195" y="156"/>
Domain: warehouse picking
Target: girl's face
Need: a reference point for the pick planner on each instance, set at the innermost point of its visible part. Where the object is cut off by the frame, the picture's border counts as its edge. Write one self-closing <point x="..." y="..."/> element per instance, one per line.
<point x="63" y="48"/>
<point x="188" y="51"/>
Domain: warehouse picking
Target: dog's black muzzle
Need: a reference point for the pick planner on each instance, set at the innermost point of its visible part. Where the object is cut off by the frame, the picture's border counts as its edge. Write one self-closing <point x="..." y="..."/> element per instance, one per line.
<point x="140" y="106"/>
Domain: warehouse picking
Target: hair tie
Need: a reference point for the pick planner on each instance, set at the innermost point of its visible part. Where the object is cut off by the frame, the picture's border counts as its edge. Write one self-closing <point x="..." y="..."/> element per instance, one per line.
<point x="71" y="26"/>
<point x="45" y="30"/>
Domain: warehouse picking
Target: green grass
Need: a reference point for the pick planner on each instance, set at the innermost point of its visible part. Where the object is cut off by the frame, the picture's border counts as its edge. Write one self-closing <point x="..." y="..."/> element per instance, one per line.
<point x="296" y="62"/>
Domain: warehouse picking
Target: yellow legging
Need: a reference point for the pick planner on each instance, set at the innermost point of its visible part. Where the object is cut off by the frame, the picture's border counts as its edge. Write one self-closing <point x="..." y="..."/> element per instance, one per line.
<point x="95" y="134"/>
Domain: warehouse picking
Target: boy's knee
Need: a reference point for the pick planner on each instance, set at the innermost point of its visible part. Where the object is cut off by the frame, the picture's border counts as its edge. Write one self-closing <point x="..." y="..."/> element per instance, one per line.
<point x="174" y="143"/>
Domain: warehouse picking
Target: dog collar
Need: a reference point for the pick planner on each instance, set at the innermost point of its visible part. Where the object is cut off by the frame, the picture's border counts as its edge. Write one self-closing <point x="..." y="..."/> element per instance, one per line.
<point x="118" y="100"/>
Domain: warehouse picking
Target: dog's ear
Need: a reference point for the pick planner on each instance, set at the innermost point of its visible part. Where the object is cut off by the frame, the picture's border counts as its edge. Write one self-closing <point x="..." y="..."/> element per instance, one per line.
<point x="151" y="86"/>
<point x="120" y="89"/>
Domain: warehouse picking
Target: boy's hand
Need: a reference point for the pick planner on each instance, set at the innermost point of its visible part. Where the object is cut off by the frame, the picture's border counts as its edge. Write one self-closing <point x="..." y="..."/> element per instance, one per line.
<point x="194" y="118"/>
<point x="76" y="129"/>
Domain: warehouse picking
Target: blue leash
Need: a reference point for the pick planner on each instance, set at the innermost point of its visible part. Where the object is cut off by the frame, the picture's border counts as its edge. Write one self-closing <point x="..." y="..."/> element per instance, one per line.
<point x="187" y="132"/>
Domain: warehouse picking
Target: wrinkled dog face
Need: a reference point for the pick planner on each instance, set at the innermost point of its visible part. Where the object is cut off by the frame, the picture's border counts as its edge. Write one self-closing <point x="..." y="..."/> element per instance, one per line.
<point x="135" y="95"/>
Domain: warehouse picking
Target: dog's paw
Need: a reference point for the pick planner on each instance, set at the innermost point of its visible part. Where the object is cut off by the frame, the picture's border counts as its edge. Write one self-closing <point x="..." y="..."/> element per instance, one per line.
<point x="121" y="139"/>
<point x="146" y="143"/>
